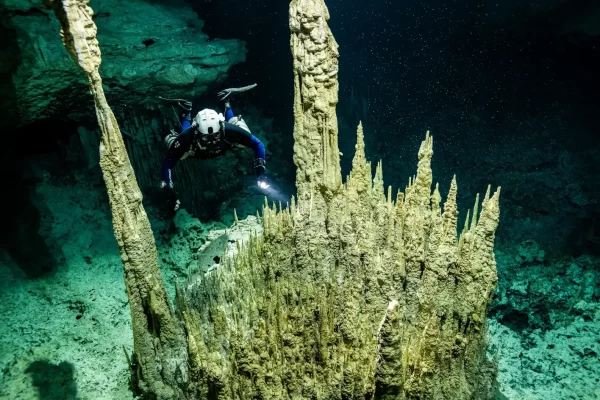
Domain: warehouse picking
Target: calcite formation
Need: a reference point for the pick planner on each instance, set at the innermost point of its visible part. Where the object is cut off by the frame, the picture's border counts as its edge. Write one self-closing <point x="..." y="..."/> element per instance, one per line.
<point x="350" y="292"/>
<point x="159" y="361"/>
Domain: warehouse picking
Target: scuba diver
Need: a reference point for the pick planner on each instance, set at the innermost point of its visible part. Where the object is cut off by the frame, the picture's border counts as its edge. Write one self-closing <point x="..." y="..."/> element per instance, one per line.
<point x="209" y="135"/>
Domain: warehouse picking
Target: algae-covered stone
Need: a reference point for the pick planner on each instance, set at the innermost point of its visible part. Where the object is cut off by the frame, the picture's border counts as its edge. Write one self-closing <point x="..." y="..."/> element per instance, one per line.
<point x="150" y="49"/>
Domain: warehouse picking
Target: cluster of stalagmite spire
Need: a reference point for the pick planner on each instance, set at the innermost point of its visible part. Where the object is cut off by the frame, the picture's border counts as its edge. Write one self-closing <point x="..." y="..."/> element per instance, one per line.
<point x="348" y="293"/>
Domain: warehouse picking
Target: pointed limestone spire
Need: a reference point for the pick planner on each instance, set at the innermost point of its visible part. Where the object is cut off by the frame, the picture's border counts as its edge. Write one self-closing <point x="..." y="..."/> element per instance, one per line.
<point x="378" y="180"/>
<point x="487" y="195"/>
<point x="436" y="199"/>
<point x="451" y="213"/>
<point x="360" y="178"/>
<point x="451" y="200"/>
<point x="475" y="212"/>
<point x="359" y="154"/>
<point x="490" y="212"/>
<point x="293" y="206"/>
<point x="426" y="146"/>
<point x="422" y="182"/>
<point x="466" y="227"/>
<point x="495" y="200"/>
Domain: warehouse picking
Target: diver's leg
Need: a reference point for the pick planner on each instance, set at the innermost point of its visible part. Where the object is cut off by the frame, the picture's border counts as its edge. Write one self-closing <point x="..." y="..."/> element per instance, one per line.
<point x="185" y="124"/>
<point x="228" y="112"/>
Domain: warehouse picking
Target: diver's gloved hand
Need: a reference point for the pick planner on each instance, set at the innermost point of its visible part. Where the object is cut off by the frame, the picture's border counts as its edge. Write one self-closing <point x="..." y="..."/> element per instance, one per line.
<point x="259" y="171"/>
<point x="170" y="195"/>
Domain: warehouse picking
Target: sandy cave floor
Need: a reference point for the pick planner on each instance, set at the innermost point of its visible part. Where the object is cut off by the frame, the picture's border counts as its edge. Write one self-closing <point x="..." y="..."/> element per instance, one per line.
<point x="63" y="336"/>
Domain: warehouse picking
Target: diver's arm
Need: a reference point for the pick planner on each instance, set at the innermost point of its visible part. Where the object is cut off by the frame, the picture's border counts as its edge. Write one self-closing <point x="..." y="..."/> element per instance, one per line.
<point x="187" y="129"/>
<point x="178" y="147"/>
<point x="235" y="134"/>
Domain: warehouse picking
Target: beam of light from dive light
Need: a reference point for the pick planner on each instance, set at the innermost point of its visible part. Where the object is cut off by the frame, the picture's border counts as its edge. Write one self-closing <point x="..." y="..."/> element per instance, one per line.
<point x="273" y="192"/>
<point x="263" y="185"/>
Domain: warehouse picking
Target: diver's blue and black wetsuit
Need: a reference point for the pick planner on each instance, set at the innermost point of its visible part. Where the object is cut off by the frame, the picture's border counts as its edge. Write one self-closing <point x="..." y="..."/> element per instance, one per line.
<point x="190" y="143"/>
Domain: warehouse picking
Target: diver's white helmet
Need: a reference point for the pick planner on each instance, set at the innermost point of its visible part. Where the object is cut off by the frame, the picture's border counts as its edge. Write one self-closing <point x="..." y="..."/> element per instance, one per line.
<point x="209" y="121"/>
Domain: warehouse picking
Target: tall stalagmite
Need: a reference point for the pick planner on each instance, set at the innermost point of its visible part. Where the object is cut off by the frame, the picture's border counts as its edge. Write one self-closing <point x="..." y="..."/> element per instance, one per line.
<point x="348" y="293"/>
<point x="159" y="345"/>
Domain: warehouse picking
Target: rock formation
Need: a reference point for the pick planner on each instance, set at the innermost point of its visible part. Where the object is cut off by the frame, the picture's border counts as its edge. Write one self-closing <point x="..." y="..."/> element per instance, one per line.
<point x="159" y="361"/>
<point x="347" y="293"/>
<point x="150" y="49"/>
<point x="545" y="324"/>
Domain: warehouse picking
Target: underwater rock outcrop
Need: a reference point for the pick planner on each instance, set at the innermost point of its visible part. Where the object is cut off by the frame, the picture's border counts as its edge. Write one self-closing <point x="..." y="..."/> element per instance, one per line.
<point x="539" y="294"/>
<point x="545" y="325"/>
<point x="347" y="293"/>
<point x="159" y="352"/>
<point x="151" y="49"/>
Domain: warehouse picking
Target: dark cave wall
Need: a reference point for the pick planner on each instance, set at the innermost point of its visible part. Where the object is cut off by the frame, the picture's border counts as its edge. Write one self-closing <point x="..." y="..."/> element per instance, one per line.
<point x="149" y="49"/>
<point x="264" y="26"/>
<point x="11" y="55"/>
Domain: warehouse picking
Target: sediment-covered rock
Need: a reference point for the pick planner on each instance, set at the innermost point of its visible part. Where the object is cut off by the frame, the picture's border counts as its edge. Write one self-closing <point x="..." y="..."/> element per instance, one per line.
<point x="539" y="294"/>
<point x="150" y="49"/>
<point x="545" y="325"/>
